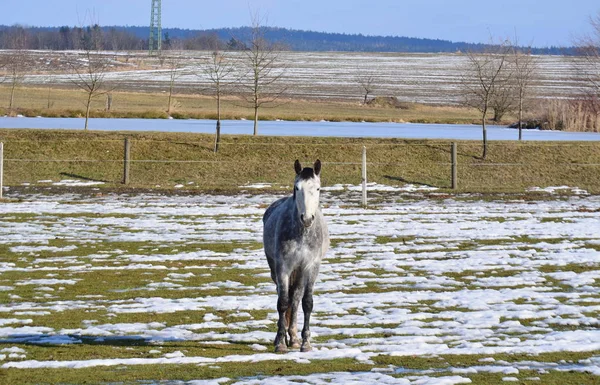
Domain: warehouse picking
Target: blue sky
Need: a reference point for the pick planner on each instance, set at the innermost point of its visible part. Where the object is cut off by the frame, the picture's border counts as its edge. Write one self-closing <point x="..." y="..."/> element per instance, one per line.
<point x="542" y="23"/>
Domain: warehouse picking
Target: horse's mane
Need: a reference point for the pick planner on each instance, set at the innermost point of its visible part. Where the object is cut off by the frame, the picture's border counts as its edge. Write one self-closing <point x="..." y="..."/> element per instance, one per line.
<point x="306" y="173"/>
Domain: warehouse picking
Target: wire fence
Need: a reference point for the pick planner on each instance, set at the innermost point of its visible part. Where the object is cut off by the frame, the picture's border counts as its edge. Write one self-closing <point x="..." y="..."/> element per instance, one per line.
<point x="149" y="162"/>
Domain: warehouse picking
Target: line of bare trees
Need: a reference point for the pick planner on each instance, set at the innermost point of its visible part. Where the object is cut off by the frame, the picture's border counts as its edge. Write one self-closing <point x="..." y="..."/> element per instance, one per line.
<point x="502" y="79"/>
<point x="254" y="77"/>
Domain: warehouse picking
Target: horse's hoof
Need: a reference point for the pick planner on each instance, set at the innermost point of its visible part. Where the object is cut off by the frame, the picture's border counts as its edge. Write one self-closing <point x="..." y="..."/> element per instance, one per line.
<point x="306" y="347"/>
<point x="295" y="344"/>
<point x="281" y="348"/>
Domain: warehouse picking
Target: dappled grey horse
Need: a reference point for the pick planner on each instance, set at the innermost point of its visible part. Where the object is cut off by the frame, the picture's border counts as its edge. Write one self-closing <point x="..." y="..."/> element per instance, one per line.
<point x="295" y="238"/>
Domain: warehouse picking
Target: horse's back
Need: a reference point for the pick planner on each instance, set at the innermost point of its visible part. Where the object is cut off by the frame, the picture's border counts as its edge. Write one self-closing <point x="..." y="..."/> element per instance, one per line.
<point x="270" y="225"/>
<point x="272" y="208"/>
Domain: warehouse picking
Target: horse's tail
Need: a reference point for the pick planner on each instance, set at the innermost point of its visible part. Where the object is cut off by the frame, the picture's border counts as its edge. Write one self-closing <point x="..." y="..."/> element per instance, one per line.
<point x="292" y="283"/>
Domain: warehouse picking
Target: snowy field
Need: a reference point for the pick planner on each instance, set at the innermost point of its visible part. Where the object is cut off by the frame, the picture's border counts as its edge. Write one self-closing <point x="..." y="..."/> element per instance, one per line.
<point x="421" y="78"/>
<point x="414" y="290"/>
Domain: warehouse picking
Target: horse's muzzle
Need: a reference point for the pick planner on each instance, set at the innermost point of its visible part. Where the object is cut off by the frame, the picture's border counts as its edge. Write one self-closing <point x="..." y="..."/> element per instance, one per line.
<point x="307" y="222"/>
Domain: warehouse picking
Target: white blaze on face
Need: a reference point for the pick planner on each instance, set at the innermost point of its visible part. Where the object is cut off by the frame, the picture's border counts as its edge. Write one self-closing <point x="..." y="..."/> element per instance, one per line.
<point x="307" y="199"/>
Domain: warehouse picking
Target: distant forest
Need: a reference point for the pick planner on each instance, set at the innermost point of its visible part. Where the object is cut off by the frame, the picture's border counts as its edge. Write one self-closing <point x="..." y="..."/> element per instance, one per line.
<point x="136" y="38"/>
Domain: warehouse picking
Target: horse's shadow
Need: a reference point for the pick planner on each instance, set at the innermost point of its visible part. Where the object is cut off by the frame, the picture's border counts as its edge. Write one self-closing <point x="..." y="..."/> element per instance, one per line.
<point x="67" y="339"/>
<point x="403" y="180"/>
<point x="54" y="340"/>
<point x="440" y="148"/>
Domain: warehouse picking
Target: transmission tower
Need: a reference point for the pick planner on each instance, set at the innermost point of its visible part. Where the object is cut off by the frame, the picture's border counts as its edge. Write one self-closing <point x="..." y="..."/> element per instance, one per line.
<point x="154" y="43"/>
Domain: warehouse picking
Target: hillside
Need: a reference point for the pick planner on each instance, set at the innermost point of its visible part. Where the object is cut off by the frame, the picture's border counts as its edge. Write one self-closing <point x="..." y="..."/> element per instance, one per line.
<point x="136" y="37"/>
<point x="301" y="40"/>
<point x="34" y="157"/>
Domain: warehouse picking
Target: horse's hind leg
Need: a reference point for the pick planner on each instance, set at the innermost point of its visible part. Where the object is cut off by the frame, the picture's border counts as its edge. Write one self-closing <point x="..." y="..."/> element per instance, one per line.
<point x="296" y="291"/>
<point x="272" y="268"/>
<point x="292" y="328"/>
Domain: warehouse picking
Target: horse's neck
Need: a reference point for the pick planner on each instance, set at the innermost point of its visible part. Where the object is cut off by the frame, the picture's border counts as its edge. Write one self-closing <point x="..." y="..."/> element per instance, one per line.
<point x="293" y="211"/>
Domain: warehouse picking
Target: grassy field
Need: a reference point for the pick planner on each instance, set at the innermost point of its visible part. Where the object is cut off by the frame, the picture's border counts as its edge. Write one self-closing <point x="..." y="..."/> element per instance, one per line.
<point x="138" y="289"/>
<point x="65" y="102"/>
<point x="167" y="160"/>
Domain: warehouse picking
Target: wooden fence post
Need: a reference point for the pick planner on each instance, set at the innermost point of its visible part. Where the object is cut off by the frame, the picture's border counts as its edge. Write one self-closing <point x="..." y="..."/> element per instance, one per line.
<point x="454" y="167"/>
<point x="364" y="177"/>
<point x="126" y="159"/>
<point x="1" y="168"/>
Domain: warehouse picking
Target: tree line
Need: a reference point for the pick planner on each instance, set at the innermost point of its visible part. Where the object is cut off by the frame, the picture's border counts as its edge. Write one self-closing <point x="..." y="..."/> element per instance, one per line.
<point x="254" y="78"/>
<point x="69" y="38"/>
<point x="136" y="38"/>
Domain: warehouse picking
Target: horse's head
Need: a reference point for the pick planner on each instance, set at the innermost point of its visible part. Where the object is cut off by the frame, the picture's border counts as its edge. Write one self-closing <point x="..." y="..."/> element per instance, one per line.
<point x="306" y="191"/>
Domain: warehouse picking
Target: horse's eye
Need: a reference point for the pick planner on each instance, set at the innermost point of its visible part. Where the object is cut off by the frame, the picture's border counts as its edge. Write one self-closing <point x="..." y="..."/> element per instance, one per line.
<point x="297" y="188"/>
<point x="319" y="189"/>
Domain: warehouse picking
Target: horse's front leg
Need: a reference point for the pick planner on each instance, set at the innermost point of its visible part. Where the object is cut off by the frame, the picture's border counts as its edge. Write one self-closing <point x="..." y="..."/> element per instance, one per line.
<point x="307" y="307"/>
<point x="282" y="309"/>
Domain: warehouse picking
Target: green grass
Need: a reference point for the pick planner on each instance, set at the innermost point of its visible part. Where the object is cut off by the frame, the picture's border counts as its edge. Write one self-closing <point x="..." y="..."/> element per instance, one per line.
<point x="466" y="360"/>
<point x="414" y="364"/>
<point x="128" y="375"/>
<point x="163" y="160"/>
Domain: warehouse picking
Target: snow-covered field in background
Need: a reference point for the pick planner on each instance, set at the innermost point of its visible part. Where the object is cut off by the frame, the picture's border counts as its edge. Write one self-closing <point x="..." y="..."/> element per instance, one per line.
<point x="405" y="277"/>
<point x="411" y="77"/>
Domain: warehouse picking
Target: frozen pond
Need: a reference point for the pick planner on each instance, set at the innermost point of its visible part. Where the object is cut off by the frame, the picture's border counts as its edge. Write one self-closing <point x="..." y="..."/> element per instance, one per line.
<point x="288" y="128"/>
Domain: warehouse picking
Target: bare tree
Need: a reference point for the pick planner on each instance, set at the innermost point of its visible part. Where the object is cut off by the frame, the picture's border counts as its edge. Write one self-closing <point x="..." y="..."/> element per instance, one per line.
<point x="49" y="71"/>
<point x="89" y="68"/>
<point x="524" y="72"/>
<point x="504" y="99"/>
<point x="174" y="66"/>
<point x="587" y="67"/>
<point x="367" y="82"/>
<point x="264" y="69"/>
<point x="589" y="48"/>
<point x="219" y="71"/>
<point x="483" y="79"/>
<point x="15" y="64"/>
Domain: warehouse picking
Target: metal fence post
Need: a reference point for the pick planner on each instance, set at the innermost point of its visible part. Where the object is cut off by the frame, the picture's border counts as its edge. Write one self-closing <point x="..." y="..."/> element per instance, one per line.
<point x="454" y="167"/>
<point x="364" y="177"/>
<point x="1" y="168"/>
<point x="126" y="159"/>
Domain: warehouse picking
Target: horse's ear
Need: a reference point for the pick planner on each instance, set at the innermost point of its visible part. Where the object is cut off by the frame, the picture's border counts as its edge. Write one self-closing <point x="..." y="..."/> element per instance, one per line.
<point x="317" y="167"/>
<point x="297" y="167"/>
